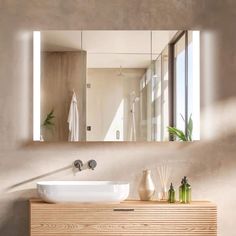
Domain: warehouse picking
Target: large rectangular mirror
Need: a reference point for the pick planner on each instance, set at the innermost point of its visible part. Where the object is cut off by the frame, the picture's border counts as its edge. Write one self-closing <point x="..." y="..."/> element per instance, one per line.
<point x="116" y="85"/>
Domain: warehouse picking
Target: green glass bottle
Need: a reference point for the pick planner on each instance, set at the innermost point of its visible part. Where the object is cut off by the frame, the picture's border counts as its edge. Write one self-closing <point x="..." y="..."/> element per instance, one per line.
<point x="181" y="192"/>
<point x="189" y="193"/>
<point x="186" y="191"/>
<point x="171" y="194"/>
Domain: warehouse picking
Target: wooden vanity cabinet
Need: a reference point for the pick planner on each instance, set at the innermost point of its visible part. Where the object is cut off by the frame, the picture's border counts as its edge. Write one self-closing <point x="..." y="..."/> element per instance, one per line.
<point x="125" y="219"/>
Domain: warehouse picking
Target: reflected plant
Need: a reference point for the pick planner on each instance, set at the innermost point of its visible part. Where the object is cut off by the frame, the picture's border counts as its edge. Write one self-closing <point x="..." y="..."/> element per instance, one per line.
<point x="179" y="134"/>
<point x="48" y="122"/>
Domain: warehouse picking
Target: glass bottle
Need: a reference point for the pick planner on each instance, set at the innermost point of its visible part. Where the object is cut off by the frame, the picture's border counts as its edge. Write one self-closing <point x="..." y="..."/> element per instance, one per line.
<point x="189" y="193"/>
<point x="171" y="194"/>
<point x="186" y="191"/>
<point x="181" y="191"/>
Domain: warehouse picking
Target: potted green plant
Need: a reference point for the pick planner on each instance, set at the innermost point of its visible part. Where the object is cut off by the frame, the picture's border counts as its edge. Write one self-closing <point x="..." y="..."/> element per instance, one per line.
<point x="181" y="135"/>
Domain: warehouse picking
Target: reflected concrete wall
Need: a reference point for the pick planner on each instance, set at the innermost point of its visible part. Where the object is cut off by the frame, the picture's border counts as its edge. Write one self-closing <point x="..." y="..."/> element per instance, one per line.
<point x="210" y="164"/>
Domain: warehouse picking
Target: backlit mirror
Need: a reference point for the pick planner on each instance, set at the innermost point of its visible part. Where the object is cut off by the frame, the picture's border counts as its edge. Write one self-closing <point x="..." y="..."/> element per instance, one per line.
<point x="116" y="85"/>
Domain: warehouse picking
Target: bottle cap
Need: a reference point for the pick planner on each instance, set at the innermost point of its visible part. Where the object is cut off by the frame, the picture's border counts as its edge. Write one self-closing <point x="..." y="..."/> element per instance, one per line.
<point x="185" y="180"/>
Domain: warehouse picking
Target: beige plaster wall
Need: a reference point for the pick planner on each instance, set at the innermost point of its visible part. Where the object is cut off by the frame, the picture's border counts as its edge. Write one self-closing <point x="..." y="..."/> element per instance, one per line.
<point x="210" y="164"/>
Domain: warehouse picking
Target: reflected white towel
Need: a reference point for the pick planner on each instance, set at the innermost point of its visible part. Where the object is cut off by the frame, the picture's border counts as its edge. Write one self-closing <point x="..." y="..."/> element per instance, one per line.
<point x="73" y="120"/>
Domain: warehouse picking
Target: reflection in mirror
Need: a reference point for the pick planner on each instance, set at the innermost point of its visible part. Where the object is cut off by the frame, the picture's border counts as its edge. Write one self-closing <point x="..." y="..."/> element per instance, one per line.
<point x="117" y="86"/>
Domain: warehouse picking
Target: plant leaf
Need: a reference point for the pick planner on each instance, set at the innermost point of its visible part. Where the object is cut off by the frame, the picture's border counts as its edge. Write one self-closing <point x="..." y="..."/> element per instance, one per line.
<point x="177" y="133"/>
<point x="190" y="128"/>
<point x="48" y="121"/>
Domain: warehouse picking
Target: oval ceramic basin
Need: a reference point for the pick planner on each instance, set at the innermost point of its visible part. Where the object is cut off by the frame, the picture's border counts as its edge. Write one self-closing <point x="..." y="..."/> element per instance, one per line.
<point x="83" y="191"/>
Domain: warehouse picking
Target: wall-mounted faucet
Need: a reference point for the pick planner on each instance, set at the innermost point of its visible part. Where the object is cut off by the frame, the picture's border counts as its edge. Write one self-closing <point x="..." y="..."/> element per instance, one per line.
<point x="91" y="164"/>
<point x="78" y="164"/>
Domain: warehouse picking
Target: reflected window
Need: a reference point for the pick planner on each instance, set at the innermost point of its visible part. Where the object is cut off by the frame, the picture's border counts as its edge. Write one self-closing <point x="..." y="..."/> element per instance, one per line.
<point x="186" y="91"/>
<point x="165" y="95"/>
<point x="194" y="82"/>
<point x="180" y="82"/>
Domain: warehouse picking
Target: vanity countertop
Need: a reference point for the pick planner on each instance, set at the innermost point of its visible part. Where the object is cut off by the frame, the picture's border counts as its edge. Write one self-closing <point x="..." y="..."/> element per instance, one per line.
<point x="38" y="201"/>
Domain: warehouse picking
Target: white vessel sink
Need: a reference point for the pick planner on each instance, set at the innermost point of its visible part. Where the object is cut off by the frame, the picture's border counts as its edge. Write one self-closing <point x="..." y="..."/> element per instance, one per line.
<point x="83" y="191"/>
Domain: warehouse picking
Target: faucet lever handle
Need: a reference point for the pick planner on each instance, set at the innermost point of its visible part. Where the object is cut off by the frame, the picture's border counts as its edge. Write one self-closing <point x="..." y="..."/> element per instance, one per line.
<point x="92" y="164"/>
<point x="78" y="164"/>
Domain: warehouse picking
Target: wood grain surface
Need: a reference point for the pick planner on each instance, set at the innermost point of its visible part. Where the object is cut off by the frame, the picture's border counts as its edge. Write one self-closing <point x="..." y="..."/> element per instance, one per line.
<point x="127" y="218"/>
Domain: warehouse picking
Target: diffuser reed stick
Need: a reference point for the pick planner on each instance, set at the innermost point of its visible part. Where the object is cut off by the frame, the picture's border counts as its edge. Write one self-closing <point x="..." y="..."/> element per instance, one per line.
<point x="164" y="174"/>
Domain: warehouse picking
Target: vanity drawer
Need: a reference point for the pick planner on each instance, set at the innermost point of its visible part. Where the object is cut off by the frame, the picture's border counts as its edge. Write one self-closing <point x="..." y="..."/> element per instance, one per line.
<point x="128" y="218"/>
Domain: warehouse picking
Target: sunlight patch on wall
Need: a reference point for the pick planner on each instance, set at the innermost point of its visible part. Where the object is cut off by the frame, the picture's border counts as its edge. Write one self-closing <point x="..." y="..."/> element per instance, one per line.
<point x="117" y="125"/>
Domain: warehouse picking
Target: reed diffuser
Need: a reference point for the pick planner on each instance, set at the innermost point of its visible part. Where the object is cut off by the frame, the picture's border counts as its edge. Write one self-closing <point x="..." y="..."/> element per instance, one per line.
<point x="164" y="174"/>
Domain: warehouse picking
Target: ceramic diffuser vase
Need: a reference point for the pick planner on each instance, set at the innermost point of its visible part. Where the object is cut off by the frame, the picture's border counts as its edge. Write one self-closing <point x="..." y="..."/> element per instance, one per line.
<point x="146" y="187"/>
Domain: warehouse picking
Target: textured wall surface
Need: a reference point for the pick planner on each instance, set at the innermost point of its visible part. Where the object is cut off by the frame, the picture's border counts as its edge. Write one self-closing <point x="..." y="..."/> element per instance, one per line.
<point x="210" y="164"/>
